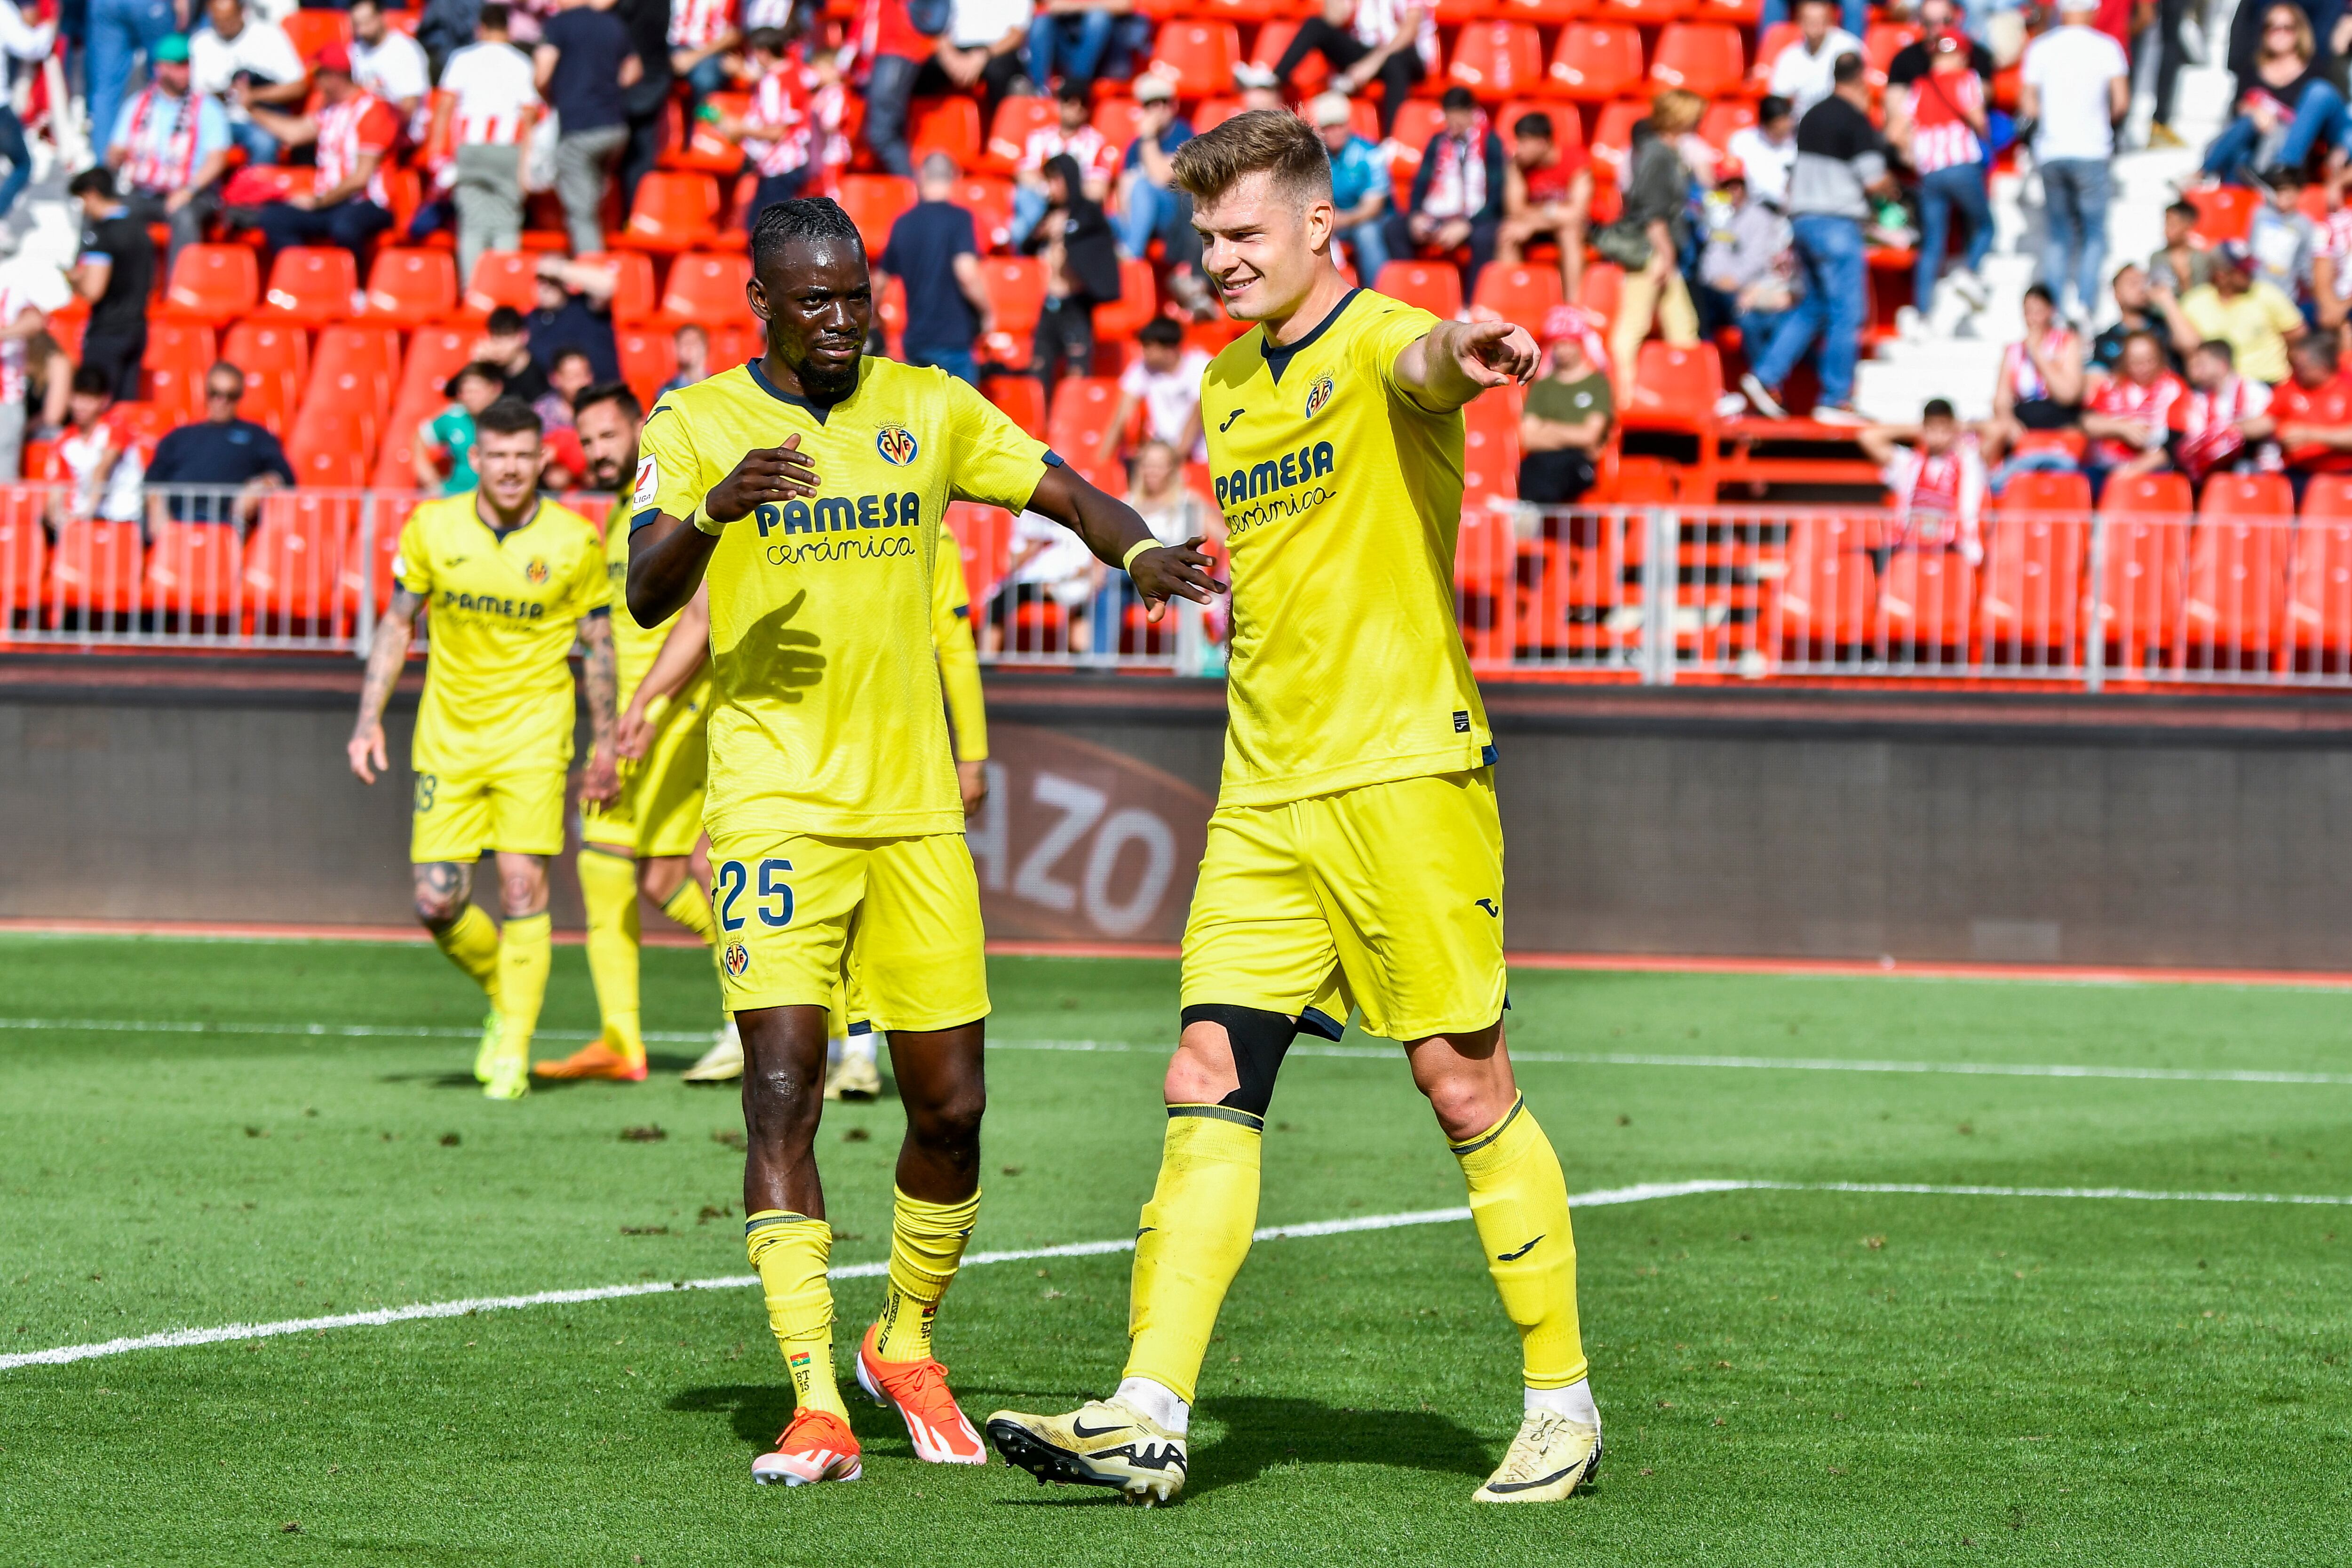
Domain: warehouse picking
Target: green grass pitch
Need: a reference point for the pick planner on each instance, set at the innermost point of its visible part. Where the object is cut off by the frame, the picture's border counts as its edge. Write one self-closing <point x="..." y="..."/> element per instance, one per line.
<point x="1786" y="1377"/>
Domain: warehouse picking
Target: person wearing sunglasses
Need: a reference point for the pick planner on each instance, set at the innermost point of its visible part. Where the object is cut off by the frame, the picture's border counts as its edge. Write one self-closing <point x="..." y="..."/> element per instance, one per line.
<point x="198" y="464"/>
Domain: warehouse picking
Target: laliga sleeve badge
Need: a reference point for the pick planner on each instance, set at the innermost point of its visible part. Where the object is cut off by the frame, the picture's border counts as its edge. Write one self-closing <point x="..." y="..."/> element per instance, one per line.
<point x="649" y="482"/>
<point x="738" y="959"/>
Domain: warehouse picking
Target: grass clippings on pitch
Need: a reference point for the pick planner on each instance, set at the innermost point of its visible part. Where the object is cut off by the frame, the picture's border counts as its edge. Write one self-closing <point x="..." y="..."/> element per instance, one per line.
<point x="1787" y="1377"/>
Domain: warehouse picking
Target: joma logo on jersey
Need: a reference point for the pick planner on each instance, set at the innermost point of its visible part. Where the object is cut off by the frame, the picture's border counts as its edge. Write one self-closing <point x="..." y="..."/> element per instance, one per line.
<point x="1317" y="395"/>
<point x="738" y="959"/>
<point x="896" y="445"/>
<point x="837" y="514"/>
<point x="1264" y="478"/>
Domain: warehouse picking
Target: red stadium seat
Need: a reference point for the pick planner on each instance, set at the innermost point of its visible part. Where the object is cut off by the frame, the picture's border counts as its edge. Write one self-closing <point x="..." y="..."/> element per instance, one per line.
<point x="984" y="537"/>
<point x="2148" y="521"/>
<point x="95" y="570"/>
<point x="332" y="450"/>
<point x="368" y="351"/>
<point x="948" y="125"/>
<point x="1640" y="13"/>
<point x="434" y="354"/>
<point x="1674" y="388"/>
<point x="2233" y="599"/>
<point x="214" y="284"/>
<point x="1312" y="70"/>
<point x="874" y="203"/>
<point x="648" y="358"/>
<point x="1704" y="58"/>
<point x="2223" y="212"/>
<point x="312" y="284"/>
<point x="343" y="404"/>
<point x="2026" y="611"/>
<point x="1016" y="290"/>
<point x="674" y="210"/>
<point x="24" y="549"/>
<point x="312" y="31"/>
<point x="192" y="570"/>
<point x="1436" y="286"/>
<point x="1008" y="132"/>
<point x="1542" y="13"/>
<point x="990" y="201"/>
<point x="1021" y="398"/>
<point x="504" y="278"/>
<point x="1137" y="302"/>
<point x="1497" y="60"/>
<point x="1518" y="294"/>
<point x="1823" y="602"/>
<point x="294" y="562"/>
<point x="1120" y="120"/>
<point x="1926" y="600"/>
<point x="1196" y="58"/>
<point x="408" y="287"/>
<point x="1597" y="62"/>
<point x="367" y="561"/>
<point x="1080" y="427"/>
<point x="1599" y="293"/>
<point x="1212" y="112"/>
<point x="178" y="354"/>
<point x="1612" y="132"/>
<point x="1724" y="117"/>
<point x="1882" y="43"/>
<point x="1417" y="123"/>
<point x="1776" y="38"/>
<point x="1490" y="451"/>
<point x="634" y="298"/>
<point x="2319" y="604"/>
<point x="706" y="290"/>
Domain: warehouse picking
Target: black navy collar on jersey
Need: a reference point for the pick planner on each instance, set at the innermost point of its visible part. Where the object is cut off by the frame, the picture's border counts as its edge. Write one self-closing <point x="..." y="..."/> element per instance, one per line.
<point x="503" y="534"/>
<point x="1279" y="355"/>
<point x="817" y="411"/>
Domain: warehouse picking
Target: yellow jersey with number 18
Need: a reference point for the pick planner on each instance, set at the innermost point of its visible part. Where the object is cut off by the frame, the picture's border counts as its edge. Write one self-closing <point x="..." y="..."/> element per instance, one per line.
<point x="828" y="717"/>
<point x="503" y="611"/>
<point x="1342" y="498"/>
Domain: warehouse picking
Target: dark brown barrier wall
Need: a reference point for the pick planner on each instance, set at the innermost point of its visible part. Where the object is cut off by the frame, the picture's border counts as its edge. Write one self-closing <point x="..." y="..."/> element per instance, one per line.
<point x="2150" y="830"/>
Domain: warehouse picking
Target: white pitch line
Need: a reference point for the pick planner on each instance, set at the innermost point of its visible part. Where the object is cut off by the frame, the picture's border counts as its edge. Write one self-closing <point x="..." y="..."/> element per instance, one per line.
<point x="181" y="1339"/>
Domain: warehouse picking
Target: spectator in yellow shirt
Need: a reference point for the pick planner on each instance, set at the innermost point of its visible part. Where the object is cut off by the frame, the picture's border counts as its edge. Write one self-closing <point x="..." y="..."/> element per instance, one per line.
<point x="2250" y="315"/>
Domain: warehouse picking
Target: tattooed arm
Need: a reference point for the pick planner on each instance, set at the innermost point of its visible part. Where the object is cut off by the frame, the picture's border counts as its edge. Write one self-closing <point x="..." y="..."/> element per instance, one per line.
<point x="602" y="782"/>
<point x="393" y="634"/>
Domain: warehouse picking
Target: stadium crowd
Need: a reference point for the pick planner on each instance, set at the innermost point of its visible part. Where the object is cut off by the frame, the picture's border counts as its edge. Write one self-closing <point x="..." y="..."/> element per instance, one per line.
<point x="381" y="219"/>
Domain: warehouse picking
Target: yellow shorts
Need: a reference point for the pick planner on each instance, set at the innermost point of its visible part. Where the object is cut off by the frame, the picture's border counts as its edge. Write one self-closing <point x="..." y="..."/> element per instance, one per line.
<point x="899" y="916"/>
<point x="660" y="812"/>
<point x="1387" y="897"/>
<point x="457" y="818"/>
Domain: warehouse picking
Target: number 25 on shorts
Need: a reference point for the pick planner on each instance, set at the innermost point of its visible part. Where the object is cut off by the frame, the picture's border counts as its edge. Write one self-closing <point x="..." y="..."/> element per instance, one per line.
<point x="772" y="899"/>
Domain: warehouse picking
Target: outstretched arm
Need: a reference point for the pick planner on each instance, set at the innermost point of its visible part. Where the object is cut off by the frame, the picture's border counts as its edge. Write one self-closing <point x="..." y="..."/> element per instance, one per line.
<point x="685" y="651"/>
<point x="393" y="634"/>
<point x="1117" y="535"/>
<point x="1456" y="361"/>
<point x="602" y="782"/>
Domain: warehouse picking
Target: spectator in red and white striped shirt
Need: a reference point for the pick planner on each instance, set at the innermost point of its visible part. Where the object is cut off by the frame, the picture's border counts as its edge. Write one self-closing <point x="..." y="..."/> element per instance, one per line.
<point x="700" y="34"/>
<point x="355" y="130"/>
<point x="2129" y="419"/>
<point x="1936" y="478"/>
<point x="2040" y="385"/>
<point x="1073" y="135"/>
<point x="1942" y="114"/>
<point x="2209" y="425"/>
<point x="779" y="135"/>
<point x="494" y="100"/>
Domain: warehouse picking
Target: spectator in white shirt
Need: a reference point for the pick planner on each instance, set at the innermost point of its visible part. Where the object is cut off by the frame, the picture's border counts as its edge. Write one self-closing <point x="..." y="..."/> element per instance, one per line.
<point x="233" y="48"/>
<point x="1050" y="566"/>
<point x="494" y="100"/>
<point x="982" y="46"/>
<point x="19" y="41"/>
<point x="1767" y="151"/>
<point x="2075" y="88"/>
<point x="391" y="64"/>
<point x="1801" y="73"/>
<point x="1165" y="382"/>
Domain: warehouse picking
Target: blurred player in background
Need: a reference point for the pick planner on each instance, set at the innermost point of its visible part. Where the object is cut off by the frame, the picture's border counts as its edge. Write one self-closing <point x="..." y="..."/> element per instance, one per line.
<point x="1355" y="858"/>
<point x="639" y="844"/>
<point x="510" y="579"/>
<point x="809" y="485"/>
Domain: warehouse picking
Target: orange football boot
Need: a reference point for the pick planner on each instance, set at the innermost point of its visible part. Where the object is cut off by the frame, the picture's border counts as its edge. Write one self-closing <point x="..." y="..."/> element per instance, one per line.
<point x="817" y="1446"/>
<point x="918" y="1391"/>
<point x="597" y="1058"/>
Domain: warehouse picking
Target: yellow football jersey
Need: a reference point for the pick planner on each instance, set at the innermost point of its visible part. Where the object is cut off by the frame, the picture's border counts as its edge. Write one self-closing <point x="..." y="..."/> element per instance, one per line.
<point x="634" y="648"/>
<point x="1342" y="498"/>
<point x="958" y="657"/>
<point x="504" y="613"/>
<point x="829" y="717"/>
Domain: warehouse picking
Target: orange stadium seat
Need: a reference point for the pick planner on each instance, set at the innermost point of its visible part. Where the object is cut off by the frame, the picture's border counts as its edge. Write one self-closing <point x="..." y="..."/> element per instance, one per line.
<point x="1196" y="58"/>
<point x="178" y="354"/>
<point x="1674" y="388"/>
<point x="192" y="570"/>
<point x="24" y="549"/>
<point x="503" y="277"/>
<point x="1079" y="427"/>
<point x="2319" y="603"/>
<point x="349" y="401"/>
<point x="674" y="210"/>
<point x="434" y="354"/>
<point x="648" y="358"/>
<point x="635" y="298"/>
<point x="331" y="447"/>
<point x="312" y="31"/>
<point x="1314" y="71"/>
<point x="1490" y="452"/>
<point x="1640" y="13"/>
<point x="1008" y="132"/>
<point x="2148" y="519"/>
<point x="1137" y="303"/>
<point x="1020" y="397"/>
<point x="1612" y="132"/>
<point x="702" y="146"/>
<point x="2233" y="598"/>
<point x="312" y="284"/>
<point x="1724" y="117"/>
<point x="2034" y="563"/>
<point x="1776" y="38"/>
<point x="1703" y="57"/>
<point x="1741" y="14"/>
<point x="1435" y="285"/>
<point x="408" y="287"/>
<point x="874" y="203"/>
<point x="95" y="570"/>
<point x="294" y="560"/>
<point x="706" y="290"/>
<point x="983" y="536"/>
<point x="1825" y="598"/>
<point x="1497" y="60"/>
<point x="1596" y="61"/>
<point x="212" y="283"/>
<point x="948" y="125"/>
<point x="1121" y="121"/>
<point x="1016" y="289"/>
<point x="367" y="561"/>
<point x="366" y="350"/>
<point x="1212" y="112"/>
<point x="1882" y="43"/>
<point x="990" y="202"/>
<point x="2223" y="212"/>
<point x="1518" y="294"/>
<point x="1542" y="13"/>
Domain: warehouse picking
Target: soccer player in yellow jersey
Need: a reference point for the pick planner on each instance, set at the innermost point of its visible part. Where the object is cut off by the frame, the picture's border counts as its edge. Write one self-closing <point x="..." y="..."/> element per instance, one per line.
<point x="1355" y="858"/>
<point x="806" y="488"/>
<point x="510" y="581"/>
<point x="639" y="843"/>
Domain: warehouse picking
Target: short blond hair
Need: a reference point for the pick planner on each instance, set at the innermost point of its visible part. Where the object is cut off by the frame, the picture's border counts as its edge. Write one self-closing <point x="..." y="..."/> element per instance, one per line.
<point x="1675" y="110"/>
<point x="1259" y="140"/>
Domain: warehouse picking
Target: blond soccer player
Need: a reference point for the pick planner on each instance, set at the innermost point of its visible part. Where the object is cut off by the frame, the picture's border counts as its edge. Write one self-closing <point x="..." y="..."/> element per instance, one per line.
<point x="510" y="581"/>
<point x="806" y="489"/>
<point x="1355" y="858"/>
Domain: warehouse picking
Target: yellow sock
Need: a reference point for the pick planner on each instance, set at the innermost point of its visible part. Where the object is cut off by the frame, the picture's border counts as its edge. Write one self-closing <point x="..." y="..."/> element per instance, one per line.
<point x="1519" y="1200"/>
<point x="927" y="1242"/>
<point x="791" y="1251"/>
<point x="1195" y="1233"/>
<point x="690" y="908"/>
<point x="525" y="949"/>
<point x="608" y="885"/>
<point x="471" y="940"/>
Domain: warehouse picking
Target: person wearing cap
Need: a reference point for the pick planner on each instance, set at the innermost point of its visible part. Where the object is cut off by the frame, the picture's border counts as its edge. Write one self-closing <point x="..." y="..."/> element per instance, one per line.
<point x="985" y="49"/>
<point x="1457" y="191"/>
<point x="1393" y="40"/>
<point x="169" y="147"/>
<point x="241" y="61"/>
<point x="1940" y="119"/>
<point x="1547" y="194"/>
<point x="1073" y="132"/>
<point x="1565" y="421"/>
<point x="1260" y="88"/>
<point x="2233" y="307"/>
<point x="354" y="131"/>
<point x="1359" y="187"/>
<point x="2075" y="87"/>
<point x="1149" y="207"/>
